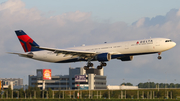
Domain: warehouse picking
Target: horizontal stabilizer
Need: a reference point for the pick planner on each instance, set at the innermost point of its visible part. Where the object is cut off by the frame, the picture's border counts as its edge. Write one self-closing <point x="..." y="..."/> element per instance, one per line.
<point x="29" y="55"/>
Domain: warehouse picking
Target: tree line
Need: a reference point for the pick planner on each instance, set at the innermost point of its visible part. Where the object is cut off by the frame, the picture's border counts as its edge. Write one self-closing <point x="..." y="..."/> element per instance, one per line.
<point x="154" y="85"/>
<point x="158" y="85"/>
<point x="31" y="92"/>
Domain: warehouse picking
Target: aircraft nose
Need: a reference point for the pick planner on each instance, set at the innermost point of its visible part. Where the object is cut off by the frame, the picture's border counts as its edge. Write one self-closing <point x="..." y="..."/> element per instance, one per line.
<point x="174" y="44"/>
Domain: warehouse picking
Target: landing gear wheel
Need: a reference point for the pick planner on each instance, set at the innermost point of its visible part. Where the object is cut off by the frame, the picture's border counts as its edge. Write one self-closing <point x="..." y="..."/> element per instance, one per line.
<point x="86" y="67"/>
<point x="159" y="57"/>
<point x="103" y="64"/>
<point x="99" y="67"/>
<point x="90" y="64"/>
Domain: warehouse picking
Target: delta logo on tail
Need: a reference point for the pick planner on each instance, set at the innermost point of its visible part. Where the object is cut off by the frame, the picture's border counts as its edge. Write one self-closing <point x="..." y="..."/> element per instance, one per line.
<point x="26" y="42"/>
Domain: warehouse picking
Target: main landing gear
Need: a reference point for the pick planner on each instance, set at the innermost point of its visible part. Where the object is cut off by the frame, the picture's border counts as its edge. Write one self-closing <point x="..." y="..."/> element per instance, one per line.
<point x="101" y="65"/>
<point x="89" y="64"/>
<point x="159" y="56"/>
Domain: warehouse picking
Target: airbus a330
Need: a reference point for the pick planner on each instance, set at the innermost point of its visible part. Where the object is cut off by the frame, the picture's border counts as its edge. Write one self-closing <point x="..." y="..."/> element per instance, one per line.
<point x="103" y="53"/>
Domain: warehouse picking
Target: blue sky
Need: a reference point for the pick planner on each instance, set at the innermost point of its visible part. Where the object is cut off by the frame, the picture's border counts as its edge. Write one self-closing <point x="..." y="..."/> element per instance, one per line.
<point x="61" y="24"/>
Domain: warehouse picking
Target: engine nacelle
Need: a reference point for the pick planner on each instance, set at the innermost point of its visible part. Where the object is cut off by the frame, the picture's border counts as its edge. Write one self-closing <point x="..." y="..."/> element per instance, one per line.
<point x="126" y="58"/>
<point x="103" y="57"/>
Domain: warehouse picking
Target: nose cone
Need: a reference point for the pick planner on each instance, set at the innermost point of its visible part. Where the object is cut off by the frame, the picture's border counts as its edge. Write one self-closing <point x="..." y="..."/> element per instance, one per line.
<point x="173" y="44"/>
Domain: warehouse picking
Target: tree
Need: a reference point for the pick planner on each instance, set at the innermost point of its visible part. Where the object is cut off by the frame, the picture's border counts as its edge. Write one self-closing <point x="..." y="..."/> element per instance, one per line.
<point x="176" y="85"/>
<point x="1" y="91"/>
<point x="38" y="91"/>
<point x="123" y="83"/>
<point x="50" y="92"/>
<point x="146" y="85"/>
<point x="57" y="94"/>
<point x="9" y="91"/>
<point x="127" y="84"/>
<point x="161" y="85"/>
<point x="140" y="85"/>
<point x="152" y="85"/>
<point x="29" y="92"/>
<point x="160" y="94"/>
<point x="171" y="85"/>
<point x="21" y="93"/>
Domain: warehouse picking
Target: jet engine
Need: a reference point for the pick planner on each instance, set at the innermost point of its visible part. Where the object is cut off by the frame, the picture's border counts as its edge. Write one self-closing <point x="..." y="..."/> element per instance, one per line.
<point x="126" y="58"/>
<point x="103" y="57"/>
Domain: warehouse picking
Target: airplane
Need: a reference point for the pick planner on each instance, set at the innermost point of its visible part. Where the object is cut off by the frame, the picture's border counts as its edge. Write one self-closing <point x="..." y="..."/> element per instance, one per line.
<point x="124" y="51"/>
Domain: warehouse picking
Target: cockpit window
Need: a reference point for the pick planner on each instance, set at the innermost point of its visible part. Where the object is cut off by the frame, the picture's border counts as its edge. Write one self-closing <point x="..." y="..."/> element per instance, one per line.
<point x="168" y="41"/>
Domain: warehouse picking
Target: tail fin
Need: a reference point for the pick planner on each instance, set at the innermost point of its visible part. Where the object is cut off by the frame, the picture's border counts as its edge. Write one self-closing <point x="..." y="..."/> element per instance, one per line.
<point x="26" y="42"/>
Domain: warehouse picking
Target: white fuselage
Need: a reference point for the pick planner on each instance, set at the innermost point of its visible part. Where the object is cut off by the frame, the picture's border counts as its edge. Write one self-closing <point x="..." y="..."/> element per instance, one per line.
<point x="137" y="47"/>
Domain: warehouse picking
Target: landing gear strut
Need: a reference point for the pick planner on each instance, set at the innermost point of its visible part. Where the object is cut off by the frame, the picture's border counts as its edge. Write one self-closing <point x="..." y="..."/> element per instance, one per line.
<point x="159" y="56"/>
<point x="89" y="64"/>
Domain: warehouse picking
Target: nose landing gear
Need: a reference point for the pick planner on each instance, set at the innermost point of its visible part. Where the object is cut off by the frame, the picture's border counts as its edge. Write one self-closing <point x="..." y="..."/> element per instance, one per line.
<point x="159" y="56"/>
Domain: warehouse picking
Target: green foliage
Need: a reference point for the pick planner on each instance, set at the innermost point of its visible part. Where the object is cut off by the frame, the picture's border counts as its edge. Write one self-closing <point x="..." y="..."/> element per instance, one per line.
<point x="114" y="94"/>
<point x="21" y="93"/>
<point x="37" y="91"/>
<point x="29" y="92"/>
<point x="50" y="93"/>
<point x="58" y="94"/>
<point x="160" y="94"/>
<point x="155" y="85"/>
<point x="9" y="91"/>
<point x="105" y="94"/>
<point x="1" y="92"/>
<point x="127" y="84"/>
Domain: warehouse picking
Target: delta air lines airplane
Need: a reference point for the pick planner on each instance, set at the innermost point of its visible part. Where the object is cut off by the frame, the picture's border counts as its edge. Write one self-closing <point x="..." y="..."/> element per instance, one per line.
<point x="123" y="51"/>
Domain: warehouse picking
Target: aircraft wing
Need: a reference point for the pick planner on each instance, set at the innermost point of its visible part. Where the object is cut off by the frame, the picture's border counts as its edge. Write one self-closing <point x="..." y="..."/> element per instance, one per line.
<point x="80" y="53"/>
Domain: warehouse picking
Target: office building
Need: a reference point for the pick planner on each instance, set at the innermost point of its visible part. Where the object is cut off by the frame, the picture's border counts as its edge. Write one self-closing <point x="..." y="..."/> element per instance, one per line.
<point x="15" y="83"/>
<point x="92" y="79"/>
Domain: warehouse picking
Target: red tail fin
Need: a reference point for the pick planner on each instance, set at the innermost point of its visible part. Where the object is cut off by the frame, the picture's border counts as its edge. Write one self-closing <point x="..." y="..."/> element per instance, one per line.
<point x="26" y="42"/>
